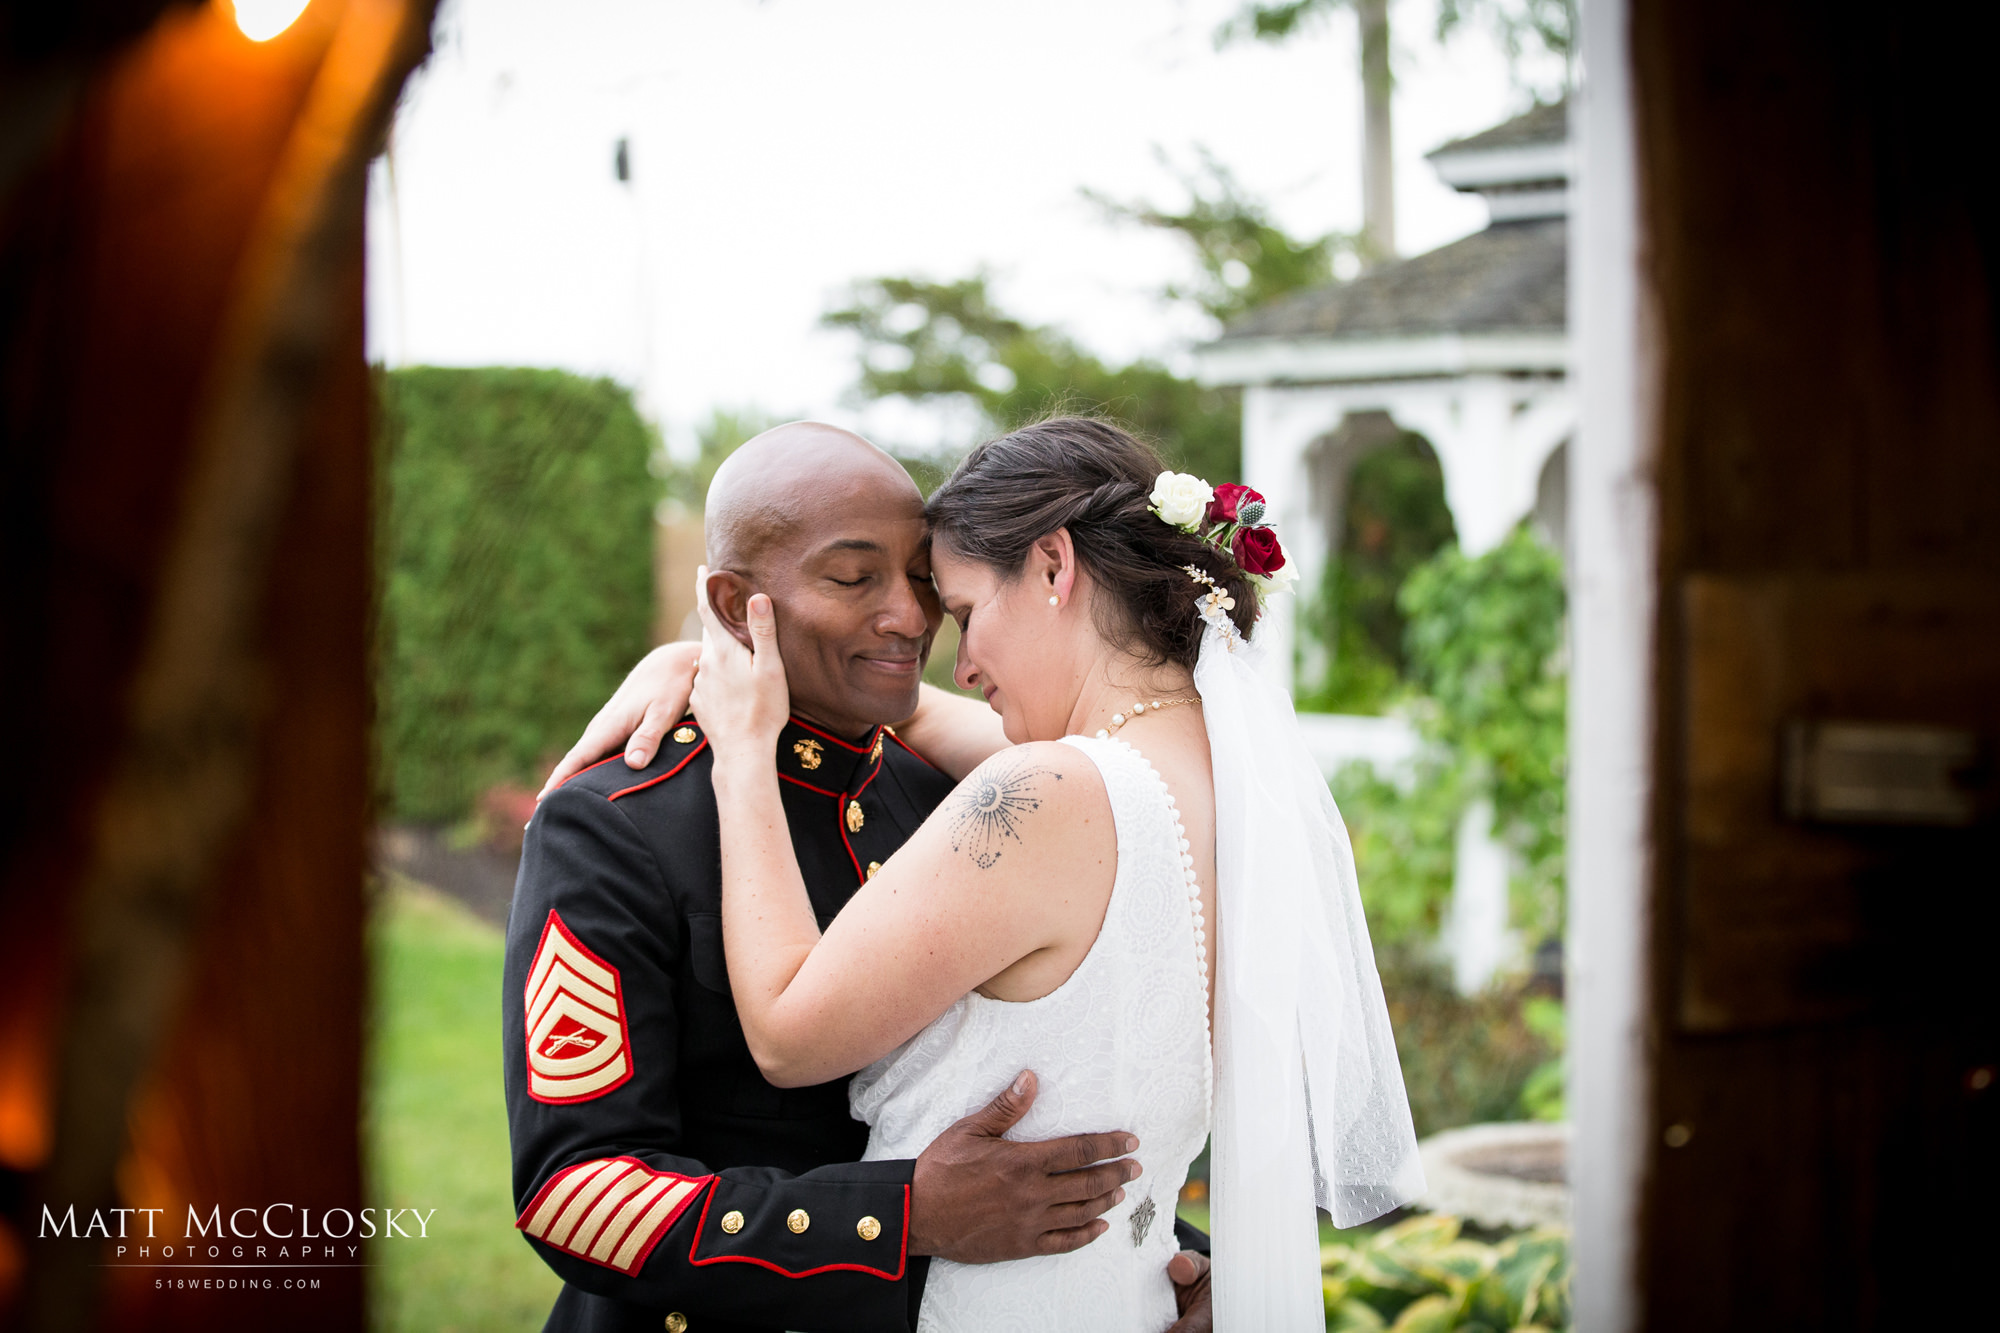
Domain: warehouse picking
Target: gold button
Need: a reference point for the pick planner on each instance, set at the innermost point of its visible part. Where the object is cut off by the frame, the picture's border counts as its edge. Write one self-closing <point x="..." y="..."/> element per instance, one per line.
<point x="682" y="735"/>
<point x="798" y="1221"/>
<point x="677" y="1322"/>
<point x="868" y="1228"/>
<point x="855" y="819"/>
<point x="732" y="1221"/>
<point x="873" y="866"/>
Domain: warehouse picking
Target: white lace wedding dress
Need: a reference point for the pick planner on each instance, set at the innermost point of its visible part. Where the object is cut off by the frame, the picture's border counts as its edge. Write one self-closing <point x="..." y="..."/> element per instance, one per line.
<point x="1121" y="1045"/>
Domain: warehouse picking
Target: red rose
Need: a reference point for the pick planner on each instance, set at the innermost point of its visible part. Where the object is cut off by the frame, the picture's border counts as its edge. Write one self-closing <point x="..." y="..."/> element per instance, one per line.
<point x="1257" y="550"/>
<point x="1229" y="500"/>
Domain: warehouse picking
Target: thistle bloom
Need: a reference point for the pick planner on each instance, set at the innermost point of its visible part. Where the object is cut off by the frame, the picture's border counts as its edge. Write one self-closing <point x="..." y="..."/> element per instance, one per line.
<point x="1236" y="503"/>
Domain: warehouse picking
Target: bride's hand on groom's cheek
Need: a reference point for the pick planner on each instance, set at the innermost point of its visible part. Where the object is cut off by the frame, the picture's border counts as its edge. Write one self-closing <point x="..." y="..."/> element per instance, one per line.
<point x="739" y="696"/>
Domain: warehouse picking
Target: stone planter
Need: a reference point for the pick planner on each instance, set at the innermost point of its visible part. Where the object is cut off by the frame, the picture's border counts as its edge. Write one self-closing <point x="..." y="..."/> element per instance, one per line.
<point x="1510" y="1175"/>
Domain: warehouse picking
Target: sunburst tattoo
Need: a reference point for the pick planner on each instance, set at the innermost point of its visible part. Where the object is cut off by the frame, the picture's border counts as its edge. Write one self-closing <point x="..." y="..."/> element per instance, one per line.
<point x="991" y="808"/>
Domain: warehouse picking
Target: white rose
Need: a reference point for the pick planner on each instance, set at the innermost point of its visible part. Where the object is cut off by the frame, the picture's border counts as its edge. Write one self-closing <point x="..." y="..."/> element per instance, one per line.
<point x="1281" y="581"/>
<point x="1181" y="498"/>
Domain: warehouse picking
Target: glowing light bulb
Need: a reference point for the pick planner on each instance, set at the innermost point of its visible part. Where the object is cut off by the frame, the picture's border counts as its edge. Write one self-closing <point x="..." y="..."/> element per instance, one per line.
<point x="261" y="20"/>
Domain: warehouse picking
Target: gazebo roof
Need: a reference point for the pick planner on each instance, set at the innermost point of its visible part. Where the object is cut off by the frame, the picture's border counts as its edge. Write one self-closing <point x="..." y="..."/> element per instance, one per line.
<point x="1543" y="123"/>
<point x="1511" y="277"/>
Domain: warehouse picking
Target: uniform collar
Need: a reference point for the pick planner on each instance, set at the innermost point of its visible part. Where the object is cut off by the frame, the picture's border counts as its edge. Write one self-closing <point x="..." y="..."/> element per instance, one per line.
<point x="820" y="761"/>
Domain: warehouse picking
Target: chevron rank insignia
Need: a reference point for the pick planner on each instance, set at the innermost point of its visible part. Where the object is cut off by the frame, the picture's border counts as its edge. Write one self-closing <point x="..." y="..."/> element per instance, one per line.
<point x="612" y="1211"/>
<point x="578" y="1047"/>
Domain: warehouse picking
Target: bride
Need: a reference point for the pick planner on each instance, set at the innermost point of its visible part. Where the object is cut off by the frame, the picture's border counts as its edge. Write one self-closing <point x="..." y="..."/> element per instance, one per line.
<point x="1148" y="869"/>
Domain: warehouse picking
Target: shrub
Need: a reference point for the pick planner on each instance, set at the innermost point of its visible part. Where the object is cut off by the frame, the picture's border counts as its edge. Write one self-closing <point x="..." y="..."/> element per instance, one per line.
<point x="1468" y="1059"/>
<point x="515" y="557"/>
<point x="1485" y="645"/>
<point x="1422" y="1276"/>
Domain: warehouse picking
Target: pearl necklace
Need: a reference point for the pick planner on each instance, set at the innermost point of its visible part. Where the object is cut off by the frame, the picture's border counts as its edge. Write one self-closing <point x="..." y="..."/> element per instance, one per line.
<point x="1120" y="719"/>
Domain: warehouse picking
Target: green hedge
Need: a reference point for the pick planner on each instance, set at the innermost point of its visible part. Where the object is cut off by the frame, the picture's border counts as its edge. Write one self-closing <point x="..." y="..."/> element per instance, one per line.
<point x="516" y="556"/>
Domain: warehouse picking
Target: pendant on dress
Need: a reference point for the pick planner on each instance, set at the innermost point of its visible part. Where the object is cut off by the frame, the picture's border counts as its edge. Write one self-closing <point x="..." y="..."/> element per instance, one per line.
<point x="1142" y="1222"/>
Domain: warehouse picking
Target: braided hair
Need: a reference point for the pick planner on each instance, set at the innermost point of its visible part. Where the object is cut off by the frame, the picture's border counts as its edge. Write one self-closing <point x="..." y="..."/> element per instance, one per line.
<point x="1095" y="479"/>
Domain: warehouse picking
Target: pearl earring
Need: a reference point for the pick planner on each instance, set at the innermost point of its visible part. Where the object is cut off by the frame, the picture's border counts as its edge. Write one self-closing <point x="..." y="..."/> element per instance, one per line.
<point x="1054" y="600"/>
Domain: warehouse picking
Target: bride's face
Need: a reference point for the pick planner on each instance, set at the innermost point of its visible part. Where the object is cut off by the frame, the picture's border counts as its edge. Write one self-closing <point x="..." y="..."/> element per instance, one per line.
<point x="1013" y="647"/>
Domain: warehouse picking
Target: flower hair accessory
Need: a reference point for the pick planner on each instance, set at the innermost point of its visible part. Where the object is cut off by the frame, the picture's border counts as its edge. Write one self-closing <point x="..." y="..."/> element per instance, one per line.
<point x="1229" y="517"/>
<point x="1215" y="605"/>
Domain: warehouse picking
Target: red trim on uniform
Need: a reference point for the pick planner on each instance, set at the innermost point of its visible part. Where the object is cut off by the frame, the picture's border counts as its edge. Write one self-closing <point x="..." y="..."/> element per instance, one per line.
<point x="581" y="771"/>
<point x="840" y="825"/>
<point x="786" y="777"/>
<point x="906" y="745"/>
<point x="624" y="1053"/>
<point x="860" y="876"/>
<point x="685" y="761"/>
<point x="854" y="749"/>
<point x="659" y="1230"/>
<point x="902" y="1256"/>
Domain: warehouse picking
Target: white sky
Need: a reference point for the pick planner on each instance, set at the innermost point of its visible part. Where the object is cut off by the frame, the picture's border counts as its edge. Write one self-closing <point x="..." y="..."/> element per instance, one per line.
<point x="782" y="149"/>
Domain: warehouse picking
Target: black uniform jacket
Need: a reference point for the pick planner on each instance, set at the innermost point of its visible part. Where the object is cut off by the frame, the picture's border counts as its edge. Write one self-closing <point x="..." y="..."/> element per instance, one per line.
<point x="654" y="1168"/>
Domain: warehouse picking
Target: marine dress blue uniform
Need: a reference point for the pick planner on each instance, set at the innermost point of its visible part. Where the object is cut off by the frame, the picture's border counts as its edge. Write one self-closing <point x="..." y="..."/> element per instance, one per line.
<point x="655" y="1169"/>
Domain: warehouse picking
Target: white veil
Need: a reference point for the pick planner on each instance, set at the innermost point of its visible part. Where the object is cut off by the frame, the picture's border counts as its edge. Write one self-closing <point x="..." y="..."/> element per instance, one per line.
<point x="1309" y="1100"/>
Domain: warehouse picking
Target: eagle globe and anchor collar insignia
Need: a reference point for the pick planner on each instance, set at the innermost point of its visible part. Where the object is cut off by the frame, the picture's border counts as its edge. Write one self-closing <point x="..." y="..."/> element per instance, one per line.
<point x="578" y="1045"/>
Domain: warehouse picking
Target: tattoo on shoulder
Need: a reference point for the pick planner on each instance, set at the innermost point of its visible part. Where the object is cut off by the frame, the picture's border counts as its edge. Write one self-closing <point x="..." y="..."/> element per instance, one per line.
<point x="990" y="808"/>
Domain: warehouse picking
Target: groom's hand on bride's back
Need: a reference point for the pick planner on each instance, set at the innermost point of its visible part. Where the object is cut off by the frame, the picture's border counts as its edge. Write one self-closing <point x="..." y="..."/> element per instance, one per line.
<point x="978" y="1198"/>
<point x="1188" y="1271"/>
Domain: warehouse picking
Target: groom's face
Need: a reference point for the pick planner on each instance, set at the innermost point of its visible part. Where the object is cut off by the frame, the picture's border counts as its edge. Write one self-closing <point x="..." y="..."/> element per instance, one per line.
<point x="850" y="582"/>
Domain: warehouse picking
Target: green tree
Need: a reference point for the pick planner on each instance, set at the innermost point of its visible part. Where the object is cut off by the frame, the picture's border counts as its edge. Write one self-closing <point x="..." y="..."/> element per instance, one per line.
<point x="1394" y="518"/>
<point x="515" y="558"/>
<point x="1484" y="645"/>
<point x="947" y="341"/>
<point x="1522" y="25"/>
<point x="1279" y="22"/>
<point x="723" y="432"/>
<point x="1244" y="259"/>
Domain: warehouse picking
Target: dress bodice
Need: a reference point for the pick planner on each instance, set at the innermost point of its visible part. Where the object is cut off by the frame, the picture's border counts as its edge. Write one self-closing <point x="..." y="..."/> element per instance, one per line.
<point x="1122" y="1044"/>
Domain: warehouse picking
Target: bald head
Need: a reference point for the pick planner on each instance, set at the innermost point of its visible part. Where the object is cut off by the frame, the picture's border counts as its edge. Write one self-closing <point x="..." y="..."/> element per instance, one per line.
<point x="831" y="529"/>
<point x="786" y="483"/>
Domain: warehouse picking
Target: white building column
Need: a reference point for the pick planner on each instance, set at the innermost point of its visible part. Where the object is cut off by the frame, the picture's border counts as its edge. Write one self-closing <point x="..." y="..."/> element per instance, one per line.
<point x="1613" y="518"/>
<point x="1476" y="935"/>
<point x="1279" y="427"/>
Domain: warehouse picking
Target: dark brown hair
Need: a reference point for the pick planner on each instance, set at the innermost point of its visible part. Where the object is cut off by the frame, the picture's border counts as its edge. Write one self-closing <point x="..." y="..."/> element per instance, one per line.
<point x="1095" y="479"/>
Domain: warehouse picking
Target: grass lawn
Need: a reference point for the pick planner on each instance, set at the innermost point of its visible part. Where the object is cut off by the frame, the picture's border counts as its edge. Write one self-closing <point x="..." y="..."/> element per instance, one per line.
<point x="436" y="1126"/>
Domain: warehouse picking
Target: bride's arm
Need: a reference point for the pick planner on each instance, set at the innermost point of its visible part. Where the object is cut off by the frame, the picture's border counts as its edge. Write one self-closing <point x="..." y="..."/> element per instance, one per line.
<point x="955" y="733"/>
<point x="1018" y="859"/>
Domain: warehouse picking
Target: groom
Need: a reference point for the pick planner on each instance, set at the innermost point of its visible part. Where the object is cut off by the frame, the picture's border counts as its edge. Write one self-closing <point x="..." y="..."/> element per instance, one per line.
<point x="654" y="1169"/>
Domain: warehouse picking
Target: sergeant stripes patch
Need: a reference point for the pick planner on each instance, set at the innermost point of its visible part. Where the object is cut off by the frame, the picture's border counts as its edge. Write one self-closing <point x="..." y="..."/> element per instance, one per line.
<point x="612" y="1211"/>
<point x="578" y="1045"/>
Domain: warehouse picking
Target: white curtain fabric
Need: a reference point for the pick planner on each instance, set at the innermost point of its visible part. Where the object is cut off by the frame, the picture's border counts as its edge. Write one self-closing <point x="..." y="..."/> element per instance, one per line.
<point x="1309" y="1100"/>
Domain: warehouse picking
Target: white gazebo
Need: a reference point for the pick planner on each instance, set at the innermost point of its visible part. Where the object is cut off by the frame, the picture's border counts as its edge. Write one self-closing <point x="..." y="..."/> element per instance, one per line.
<point x="1468" y="346"/>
